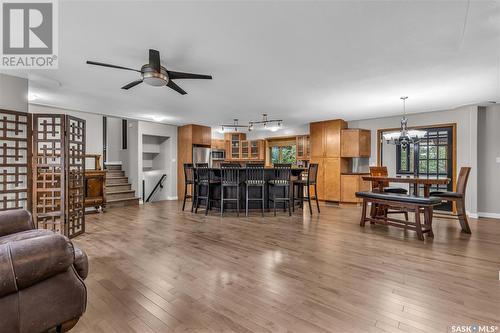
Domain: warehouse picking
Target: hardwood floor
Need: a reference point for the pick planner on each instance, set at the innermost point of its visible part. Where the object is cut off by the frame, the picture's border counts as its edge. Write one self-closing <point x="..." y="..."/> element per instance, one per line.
<point x="154" y="268"/>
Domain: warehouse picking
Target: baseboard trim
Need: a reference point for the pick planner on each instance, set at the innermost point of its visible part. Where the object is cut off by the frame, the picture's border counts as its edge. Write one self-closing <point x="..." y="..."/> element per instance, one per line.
<point x="113" y="163"/>
<point x="173" y="198"/>
<point x="472" y="215"/>
<point x="489" y="215"/>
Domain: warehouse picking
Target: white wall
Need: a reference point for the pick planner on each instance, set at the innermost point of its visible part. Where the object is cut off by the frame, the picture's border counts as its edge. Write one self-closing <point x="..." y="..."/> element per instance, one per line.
<point x="113" y="139"/>
<point x="467" y="138"/>
<point x="488" y="165"/>
<point x="93" y="123"/>
<point x="13" y="93"/>
<point x="132" y="157"/>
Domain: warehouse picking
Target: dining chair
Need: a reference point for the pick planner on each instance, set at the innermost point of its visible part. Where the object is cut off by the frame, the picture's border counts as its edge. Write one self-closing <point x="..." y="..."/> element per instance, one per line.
<point x="381" y="171"/>
<point x="281" y="181"/>
<point x="310" y="181"/>
<point x="254" y="178"/>
<point x="458" y="197"/>
<point x="230" y="178"/>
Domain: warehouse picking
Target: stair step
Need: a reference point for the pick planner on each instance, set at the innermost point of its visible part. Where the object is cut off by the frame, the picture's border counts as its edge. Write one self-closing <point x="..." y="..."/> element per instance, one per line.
<point x="118" y="187"/>
<point x="120" y="195"/>
<point x="115" y="173"/>
<point x="122" y="202"/>
<point x="113" y="166"/>
<point x="116" y="180"/>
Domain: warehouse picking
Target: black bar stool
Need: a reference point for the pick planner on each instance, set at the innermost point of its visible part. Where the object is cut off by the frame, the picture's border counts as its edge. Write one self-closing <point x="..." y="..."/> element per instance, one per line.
<point x="311" y="180"/>
<point x="230" y="178"/>
<point x="189" y="181"/>
<point x="254" y="177"/>
<point x="281" y="180"/>
<point x="203" y="176"/>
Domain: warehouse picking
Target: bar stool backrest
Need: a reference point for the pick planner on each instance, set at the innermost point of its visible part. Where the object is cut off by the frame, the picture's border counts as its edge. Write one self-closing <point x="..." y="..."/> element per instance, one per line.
<point x="463" y="177"/>
<point x="230" y="174"/>
<point x="282" y="172"/>
<point x="254" y="172"/>
<point x="202" y="172"/>
<point x="312" y="173"/>
<point x="379" y="171"/>
<point x="188" y="172"/>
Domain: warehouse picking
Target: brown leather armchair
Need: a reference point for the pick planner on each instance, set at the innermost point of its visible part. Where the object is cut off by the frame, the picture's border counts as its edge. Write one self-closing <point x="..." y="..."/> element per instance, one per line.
<point x="41" y="277"/>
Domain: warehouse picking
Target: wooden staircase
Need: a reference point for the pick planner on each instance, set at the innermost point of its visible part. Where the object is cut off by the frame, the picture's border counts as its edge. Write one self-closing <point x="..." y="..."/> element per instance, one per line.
<point x="119" y="192"/>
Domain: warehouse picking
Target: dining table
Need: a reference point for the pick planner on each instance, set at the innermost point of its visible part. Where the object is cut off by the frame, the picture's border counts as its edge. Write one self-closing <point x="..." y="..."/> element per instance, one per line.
<point x="425" y="181"/>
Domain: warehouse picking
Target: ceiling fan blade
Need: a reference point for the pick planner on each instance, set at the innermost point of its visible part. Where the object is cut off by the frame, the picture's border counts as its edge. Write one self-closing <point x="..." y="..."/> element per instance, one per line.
<point x="154" y="59"/>
<point x="180" y="75"/>
<point x="172" y="85"/>
<point x="131" y="84"/>
<point x="112" y="66"/>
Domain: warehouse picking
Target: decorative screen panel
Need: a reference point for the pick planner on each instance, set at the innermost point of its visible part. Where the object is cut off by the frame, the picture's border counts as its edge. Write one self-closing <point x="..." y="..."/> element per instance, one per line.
<point x="49" y="172"/>
<point x="15" y="145"/>
<point x="75" y="153"/>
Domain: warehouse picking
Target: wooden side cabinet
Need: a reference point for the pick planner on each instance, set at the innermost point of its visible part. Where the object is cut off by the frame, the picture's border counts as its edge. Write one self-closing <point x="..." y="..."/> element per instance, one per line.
<point x="350" y="184"/>
<point x="355" y="142"/>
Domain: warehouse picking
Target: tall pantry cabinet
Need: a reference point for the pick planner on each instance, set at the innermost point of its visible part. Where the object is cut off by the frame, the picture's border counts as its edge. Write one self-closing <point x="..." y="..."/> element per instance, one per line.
<point x="325" y="150"/>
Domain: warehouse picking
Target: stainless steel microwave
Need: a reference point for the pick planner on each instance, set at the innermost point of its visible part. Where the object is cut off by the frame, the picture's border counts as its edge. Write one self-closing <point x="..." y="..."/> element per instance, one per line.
<point x="218" y="154"/>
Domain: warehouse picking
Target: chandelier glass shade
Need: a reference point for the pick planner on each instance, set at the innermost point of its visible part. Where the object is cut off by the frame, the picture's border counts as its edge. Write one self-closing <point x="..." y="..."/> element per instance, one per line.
<point x="404" y="136"/>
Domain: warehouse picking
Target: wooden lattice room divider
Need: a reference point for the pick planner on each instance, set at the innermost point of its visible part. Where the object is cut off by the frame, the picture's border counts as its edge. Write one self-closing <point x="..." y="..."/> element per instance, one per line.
<point x="15" y="166"/>
<point x="58" y="165"/>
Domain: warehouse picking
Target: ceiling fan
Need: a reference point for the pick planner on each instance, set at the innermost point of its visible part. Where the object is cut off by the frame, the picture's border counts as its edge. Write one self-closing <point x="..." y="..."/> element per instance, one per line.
<point x="155" y="74"/>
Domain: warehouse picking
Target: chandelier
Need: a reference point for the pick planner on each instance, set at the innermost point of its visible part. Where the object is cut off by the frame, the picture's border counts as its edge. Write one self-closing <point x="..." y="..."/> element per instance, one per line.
<point x="404" y="136"/>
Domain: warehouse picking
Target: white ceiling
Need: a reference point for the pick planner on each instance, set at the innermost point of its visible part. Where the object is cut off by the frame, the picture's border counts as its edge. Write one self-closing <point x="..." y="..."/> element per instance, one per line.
<point x="300" y="61"/>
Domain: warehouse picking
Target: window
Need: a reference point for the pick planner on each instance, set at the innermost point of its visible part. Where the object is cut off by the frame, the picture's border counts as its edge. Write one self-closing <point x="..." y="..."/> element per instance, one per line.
<point x="283" y="154"/>
<point x="433" y="158"/>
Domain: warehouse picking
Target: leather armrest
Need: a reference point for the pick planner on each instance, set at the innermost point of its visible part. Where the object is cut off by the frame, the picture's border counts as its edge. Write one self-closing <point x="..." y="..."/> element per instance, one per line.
<point x="81" y="262"/>
<point x="12" y="221"/>
<point x="28" y="261"/>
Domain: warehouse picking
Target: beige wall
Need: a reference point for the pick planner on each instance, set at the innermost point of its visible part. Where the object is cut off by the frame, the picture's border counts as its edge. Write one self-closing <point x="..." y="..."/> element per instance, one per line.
<point x="489" y="161"/>
<point x="13" y="93"/>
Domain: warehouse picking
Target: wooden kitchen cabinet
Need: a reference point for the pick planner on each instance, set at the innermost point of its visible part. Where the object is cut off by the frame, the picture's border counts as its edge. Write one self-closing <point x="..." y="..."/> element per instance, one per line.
<point x="355" y="142"/>
<point x="238" y="148"/>
<point x="317" y="139"/>
<point x="302" y="147"/>
<point x="350" y="184"/>
<point x="325" y="143"/>
<point x="201" y="135"/>
<point x="218" y="144"/>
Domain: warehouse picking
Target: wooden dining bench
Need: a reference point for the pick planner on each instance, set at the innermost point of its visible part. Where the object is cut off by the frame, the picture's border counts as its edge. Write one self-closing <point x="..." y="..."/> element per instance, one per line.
<point x="401" y="201"/>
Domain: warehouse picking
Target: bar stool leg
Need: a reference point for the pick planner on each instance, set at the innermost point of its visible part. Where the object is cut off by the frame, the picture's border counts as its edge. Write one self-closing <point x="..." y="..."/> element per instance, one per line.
<point x="246" y="200"/>
<point x="207" y="207"/>
<point x="238" y="200"/>
<point x="287" y="189"/>
<point x="185" y="194"/>
<point x="293" y="198"/>
<point x="221" y="200"/>
<point x="262" y="200"/>
<point x="309" y="200"/>
<point x="316" y="196"/>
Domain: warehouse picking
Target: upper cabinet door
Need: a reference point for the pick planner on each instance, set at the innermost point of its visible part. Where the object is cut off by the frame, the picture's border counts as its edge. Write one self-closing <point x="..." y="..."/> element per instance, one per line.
<point x="332" y="137"/>
<point x="317" y="139"/>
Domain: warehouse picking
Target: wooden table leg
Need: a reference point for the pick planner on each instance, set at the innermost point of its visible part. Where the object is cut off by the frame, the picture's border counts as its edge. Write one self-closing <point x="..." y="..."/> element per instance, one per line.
<point x="427" y="190"/>
<point x="418" y="226"/>
<point x="363" y="213"/>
